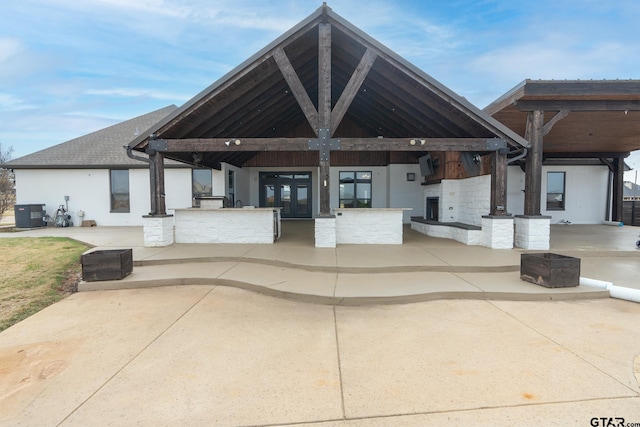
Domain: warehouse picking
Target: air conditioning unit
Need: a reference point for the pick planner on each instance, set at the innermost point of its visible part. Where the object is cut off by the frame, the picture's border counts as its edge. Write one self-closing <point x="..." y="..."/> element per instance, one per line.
<point x="30" y="216"/>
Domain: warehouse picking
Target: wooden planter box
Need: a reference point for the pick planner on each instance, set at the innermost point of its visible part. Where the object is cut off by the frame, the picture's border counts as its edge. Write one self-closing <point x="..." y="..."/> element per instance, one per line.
<point x="113" y="264"/>
<point x="550" y="270"/>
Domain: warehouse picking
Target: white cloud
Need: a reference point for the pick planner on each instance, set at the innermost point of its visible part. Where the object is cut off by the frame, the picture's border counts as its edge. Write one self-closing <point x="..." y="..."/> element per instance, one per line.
<point x="149" y="7"/>
<point x="9" y="102"/>
<point x="547" y="60"/>
<point x="134" y="93"/>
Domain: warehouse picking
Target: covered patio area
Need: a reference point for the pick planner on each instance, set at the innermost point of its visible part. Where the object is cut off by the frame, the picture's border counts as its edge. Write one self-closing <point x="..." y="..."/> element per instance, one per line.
<point x="325" y="120"/>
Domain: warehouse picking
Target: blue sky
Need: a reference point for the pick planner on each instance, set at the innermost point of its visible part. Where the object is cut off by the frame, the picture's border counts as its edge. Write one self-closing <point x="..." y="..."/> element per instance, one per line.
<point x="70" y="67"/>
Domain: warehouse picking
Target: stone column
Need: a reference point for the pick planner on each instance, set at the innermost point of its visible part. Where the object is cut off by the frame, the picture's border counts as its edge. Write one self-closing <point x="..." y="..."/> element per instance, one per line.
<point x="533" y="232"/>
<point x="497" y="231"/>
<point x="325" y="232"/>
<point x="158" y="230"/>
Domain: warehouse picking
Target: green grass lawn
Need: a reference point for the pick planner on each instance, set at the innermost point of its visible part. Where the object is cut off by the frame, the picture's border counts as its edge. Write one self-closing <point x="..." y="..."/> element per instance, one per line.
<point x="35" y="273"/>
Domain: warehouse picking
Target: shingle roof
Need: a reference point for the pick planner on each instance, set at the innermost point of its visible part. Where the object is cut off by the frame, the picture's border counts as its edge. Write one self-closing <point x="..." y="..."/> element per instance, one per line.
<point x="631" y="190"/>
<point x="100" y="149"/>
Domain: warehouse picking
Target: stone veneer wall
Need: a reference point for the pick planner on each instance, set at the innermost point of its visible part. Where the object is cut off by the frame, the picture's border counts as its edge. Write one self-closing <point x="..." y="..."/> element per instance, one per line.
<point x="497" y="232"/>
<point x="158" y="230"/>
<point x="369" y="226"/>
<point x="533" y="232"/>
<point x="468" y="237"/>
<point x="474" y="199"/>
<point x="228" y="225"/>
<point x="325" y="232"/>
<point x="462" y="200"/>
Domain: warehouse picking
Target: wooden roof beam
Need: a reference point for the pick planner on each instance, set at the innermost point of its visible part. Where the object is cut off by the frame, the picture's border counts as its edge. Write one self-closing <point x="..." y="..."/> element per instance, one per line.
<point x="351" y="90"/>
<point x="422" y="144"/>
<point x="345" y="144"/>
<point x="574" y="105"/>
<point x="555" y="119"/>
<point x="296" y="87"/>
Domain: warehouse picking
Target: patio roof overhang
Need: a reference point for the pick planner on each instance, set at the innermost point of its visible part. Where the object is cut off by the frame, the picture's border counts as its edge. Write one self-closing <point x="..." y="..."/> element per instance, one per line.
<point x="573" y="119"/>
<point x="324" y="73"/>
<point x="594" y="118"/>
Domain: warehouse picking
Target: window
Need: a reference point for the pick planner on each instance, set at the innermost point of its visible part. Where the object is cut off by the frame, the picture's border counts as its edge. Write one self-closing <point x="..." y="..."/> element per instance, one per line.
<point x="201" y="185"/>
<point x="555" y="191"/>
<point x="119" y="190"/>
<point x="355" y="189"/>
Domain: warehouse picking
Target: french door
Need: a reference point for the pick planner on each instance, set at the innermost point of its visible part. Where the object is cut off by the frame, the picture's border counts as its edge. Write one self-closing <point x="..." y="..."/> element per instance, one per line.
<point x="290" y="191"/>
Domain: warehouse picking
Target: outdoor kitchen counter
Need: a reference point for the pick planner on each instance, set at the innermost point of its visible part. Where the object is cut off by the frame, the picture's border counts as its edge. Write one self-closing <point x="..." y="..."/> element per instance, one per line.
<point x="227" y="225"/>
<point x="375" y="226"/>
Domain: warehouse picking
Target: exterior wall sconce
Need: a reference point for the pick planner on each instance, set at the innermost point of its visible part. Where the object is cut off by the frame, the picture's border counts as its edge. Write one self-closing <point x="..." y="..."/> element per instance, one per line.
<point x="411" y="176"/>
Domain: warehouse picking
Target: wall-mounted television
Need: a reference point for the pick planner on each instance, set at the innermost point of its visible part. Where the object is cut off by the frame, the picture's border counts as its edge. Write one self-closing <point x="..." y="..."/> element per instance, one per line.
<point x="426" y="165"/>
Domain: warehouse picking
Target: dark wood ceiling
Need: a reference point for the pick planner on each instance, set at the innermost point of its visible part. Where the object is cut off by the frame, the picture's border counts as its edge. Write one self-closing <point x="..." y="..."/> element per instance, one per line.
<point x="395" y="100"/>
<point x="603" y="116"/>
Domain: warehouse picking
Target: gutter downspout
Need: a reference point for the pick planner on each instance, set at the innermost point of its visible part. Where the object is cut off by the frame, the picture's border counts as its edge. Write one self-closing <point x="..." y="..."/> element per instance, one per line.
<point x="152" y="177"/>
<point x="525" y="150"/>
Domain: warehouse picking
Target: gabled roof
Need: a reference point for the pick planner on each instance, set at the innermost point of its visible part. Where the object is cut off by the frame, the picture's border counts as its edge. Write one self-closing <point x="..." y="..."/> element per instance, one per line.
<point x="395" y="99"/>
<point x="600" y="116"/>
<point x="100" y="149"/>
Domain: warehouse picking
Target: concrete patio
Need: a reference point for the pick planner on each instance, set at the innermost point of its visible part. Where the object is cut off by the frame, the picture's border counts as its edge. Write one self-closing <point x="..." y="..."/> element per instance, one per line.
<point x="205" y="354"/>
<point x="422" y="268"/>
<point x="213" y="355"/>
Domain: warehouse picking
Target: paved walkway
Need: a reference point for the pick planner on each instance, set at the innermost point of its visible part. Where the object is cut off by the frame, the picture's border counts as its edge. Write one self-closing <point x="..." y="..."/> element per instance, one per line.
<point x="217" y="355"/>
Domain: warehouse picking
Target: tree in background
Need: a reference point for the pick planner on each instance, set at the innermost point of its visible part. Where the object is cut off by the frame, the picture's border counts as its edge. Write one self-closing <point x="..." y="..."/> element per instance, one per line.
<point x="7" y="187"/>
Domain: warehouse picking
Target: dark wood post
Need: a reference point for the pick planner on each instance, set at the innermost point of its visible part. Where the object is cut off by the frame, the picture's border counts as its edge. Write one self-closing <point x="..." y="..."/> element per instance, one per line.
<point x="324" y="114"/>
<point x="618" y="188"/>
<point x="157" y="183"/>
<point x="499" y="183"/>
<point x="533" y="169"/>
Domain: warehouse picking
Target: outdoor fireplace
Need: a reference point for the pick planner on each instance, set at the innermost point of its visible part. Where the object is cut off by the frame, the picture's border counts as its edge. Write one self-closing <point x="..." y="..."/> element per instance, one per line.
<point x="431" y="212"/>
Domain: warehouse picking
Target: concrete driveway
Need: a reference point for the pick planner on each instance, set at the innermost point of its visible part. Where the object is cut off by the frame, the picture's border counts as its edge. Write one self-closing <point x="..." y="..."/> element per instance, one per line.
<point x="211" y="355"/>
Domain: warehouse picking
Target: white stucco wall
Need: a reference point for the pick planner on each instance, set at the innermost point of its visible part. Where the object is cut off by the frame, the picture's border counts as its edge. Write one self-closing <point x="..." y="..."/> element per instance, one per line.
<point x="89" y="191"/>
<point x="460" y="200"/>
<point x="242" y="183"/>
<point x="403" y="193"/>
<point x="390" y="189"/>
<point x="585" y="193"/>
<point x="177" y="187"/>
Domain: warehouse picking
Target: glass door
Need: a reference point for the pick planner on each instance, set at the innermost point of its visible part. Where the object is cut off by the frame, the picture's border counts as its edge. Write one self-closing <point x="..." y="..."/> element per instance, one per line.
<point x="289" y="191"/>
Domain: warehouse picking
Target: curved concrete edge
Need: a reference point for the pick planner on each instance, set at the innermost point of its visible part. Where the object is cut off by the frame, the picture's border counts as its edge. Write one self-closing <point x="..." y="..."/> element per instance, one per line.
<point x="333" y="269"/>
<point x="345" y="301"/>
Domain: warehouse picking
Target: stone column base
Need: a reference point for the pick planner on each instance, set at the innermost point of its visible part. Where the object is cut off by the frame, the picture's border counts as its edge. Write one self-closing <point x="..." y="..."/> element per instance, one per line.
<point x="497" y="231"/>
<point x="158" y="230"/>
<point x="533" y="232"/>
<point x="325" y="232"/>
